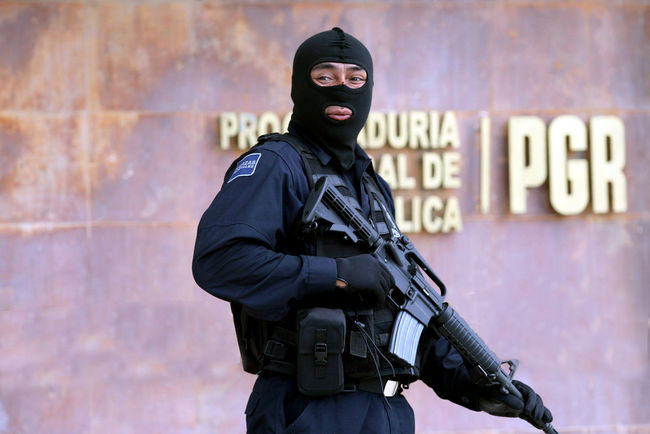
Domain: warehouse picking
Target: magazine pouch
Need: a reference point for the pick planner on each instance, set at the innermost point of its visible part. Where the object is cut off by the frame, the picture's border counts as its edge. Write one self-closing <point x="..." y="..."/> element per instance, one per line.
<point x="321" y="340"/>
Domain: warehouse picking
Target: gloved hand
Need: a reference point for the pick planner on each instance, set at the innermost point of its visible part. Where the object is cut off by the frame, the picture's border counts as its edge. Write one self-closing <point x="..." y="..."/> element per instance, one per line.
<point x="363" y="280"/>
<point x="531" y="408"/>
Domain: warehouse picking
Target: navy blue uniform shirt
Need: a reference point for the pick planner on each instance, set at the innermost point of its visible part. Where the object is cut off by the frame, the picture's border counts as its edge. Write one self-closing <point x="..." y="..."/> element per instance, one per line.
<point x="242" y="249"/>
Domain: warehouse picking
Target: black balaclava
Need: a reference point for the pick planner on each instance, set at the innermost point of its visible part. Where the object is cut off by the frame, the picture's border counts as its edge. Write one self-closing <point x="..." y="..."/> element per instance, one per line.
<point x="310" y="100"/>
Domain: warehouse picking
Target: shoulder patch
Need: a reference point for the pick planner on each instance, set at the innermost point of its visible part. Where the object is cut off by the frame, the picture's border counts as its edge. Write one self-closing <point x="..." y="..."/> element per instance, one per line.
<point x="246" y="166"/>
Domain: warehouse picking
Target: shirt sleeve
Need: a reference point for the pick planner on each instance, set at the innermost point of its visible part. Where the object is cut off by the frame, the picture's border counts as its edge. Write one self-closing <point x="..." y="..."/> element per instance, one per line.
<point x="444" y="370"/>
<point x="242" y="240"/>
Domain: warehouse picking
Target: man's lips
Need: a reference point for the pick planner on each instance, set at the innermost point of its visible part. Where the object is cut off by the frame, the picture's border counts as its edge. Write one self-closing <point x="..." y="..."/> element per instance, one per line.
<point x="338" y="113"/>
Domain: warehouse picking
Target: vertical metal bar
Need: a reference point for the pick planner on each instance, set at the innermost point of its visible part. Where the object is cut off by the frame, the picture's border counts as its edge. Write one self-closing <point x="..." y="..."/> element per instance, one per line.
<point x="484" y="143"/>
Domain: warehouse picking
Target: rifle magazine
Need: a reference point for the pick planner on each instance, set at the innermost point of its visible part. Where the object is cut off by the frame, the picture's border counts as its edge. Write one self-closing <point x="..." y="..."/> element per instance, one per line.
<point x="405" y="337"/>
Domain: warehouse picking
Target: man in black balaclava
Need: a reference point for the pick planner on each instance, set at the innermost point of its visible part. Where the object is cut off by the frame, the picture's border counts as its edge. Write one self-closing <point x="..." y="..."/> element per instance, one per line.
<point x="310" y="310"/>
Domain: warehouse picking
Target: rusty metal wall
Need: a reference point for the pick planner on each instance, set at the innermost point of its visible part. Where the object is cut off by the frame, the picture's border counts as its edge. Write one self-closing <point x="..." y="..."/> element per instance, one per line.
<point x="109" y="154"/>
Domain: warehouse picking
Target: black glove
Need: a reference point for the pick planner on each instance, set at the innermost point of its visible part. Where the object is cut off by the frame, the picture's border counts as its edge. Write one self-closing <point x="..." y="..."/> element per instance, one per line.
<point x="531" y="408"/>
<point x="366" y="280"/>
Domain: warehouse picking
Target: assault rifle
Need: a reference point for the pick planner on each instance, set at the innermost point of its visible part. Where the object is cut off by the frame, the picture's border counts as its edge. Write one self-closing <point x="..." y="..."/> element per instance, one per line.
<point x="419" y="304"/>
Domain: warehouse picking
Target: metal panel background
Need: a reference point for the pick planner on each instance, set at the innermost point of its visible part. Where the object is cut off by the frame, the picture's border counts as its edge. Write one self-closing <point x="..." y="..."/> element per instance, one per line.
<point x="109" y="154"/>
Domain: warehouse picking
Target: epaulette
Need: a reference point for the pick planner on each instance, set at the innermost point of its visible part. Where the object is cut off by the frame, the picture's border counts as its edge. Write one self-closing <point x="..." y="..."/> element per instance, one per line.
<point x="267" y="137"/>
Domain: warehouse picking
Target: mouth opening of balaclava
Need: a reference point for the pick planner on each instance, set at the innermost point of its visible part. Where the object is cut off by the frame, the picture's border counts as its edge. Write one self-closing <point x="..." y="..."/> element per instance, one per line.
<point x="310" y="100"/>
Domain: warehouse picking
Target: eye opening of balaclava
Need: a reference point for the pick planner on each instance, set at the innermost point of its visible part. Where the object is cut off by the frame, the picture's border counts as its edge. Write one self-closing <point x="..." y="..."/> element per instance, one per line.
<point x="310" y="99"/>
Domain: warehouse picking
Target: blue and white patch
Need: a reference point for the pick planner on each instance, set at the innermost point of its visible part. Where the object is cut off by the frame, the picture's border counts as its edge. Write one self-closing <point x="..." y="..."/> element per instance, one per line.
<point x="246" y="166"/>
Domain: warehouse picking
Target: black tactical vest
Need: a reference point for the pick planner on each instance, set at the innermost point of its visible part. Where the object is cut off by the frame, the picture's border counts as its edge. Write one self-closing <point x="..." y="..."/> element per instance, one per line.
<point x="271" y="346"/>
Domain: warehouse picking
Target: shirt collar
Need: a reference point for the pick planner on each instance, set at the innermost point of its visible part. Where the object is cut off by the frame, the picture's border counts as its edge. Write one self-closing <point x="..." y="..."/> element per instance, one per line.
<point x="323" y="156"/>
<point x="362" y="161"/>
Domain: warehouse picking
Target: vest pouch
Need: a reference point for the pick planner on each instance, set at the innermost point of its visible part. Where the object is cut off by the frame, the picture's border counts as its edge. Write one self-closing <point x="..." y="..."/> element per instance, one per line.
<point x="321" y="340"/>
<point x="252" y="333"/>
